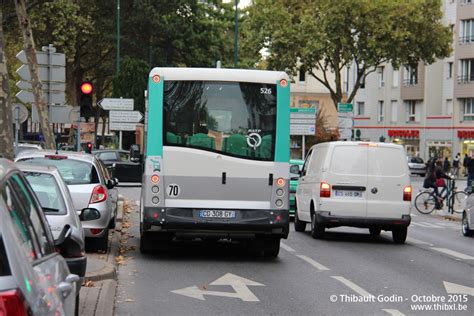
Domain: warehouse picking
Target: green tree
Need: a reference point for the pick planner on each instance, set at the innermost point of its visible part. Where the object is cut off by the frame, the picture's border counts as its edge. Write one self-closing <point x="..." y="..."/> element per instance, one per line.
<point x="131" y="82"/>
<point x="324" y="36"/>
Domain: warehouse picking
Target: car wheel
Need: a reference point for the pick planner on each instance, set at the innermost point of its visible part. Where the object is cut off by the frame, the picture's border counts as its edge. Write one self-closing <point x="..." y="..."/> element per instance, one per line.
<point x="76" y="308"/>
<point x="465" y="226"/>
<point x="271" y="246"/>
<point x="113" y="222"/>
<point x="375" y="231"/>
<point x="317" y="230"/>
<point x="399" y="235"/>
<point x="299" y="225"/>
<point x="100" y="244"/>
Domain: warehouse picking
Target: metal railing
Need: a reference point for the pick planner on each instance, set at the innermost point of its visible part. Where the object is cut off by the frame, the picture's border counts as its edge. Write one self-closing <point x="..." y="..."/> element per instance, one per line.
<point x="466" y="78"/>
<point x="410" y="82"/>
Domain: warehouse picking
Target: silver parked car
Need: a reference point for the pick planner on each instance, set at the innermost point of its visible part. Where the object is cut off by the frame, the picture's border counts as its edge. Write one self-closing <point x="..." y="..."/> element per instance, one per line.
<point x="34" y="278"/>
<point x="90" y="186"/>
<point x="56" y="201"/>
<point x="468" y="217"/>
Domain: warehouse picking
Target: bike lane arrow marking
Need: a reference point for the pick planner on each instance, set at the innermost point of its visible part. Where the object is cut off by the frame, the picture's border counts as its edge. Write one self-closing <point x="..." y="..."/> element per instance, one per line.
<point x="239" y="284"/>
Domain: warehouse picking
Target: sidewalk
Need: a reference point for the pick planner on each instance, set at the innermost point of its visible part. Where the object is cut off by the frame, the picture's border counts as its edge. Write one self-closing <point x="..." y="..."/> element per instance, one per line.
<point x="97" y="295"/>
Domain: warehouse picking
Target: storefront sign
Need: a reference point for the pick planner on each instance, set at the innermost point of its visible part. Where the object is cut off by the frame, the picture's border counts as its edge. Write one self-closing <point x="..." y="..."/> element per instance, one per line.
<point x="404" y="133"/>
<point x="466" y="134"/>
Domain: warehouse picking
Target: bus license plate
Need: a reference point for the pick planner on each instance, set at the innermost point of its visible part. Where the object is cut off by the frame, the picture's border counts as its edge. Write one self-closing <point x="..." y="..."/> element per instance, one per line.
<point x="216" y="214"/>
<point x="356" y="194"/>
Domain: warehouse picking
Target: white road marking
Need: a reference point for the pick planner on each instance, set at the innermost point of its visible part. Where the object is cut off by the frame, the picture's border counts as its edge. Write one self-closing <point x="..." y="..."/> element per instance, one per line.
<point x="417" y="241"/>
<point x="315" y="264"/>
<point x="239" y="284"/>
<point x="394" y="312"/>
<point x="453" y="288"/>
<point x="286" y="247"/>
<point x="425" y="225"/>
<point x="453" y="253"/>
<point x="352" y="286"/>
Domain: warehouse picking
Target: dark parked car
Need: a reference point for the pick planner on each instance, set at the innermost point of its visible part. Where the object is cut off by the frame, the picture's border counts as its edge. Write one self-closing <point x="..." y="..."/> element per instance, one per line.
<point x="118" y="161"/>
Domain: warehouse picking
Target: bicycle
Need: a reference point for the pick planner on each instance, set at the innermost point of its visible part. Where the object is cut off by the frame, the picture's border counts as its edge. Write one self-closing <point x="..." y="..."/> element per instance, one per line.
<point x="426" y="201"/>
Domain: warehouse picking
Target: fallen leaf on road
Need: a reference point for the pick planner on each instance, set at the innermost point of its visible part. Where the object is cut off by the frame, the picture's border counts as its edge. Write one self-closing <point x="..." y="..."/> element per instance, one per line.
<point x="129" y="300"/>
<point x="88" y="284"/>
<point x="119" y="259"/>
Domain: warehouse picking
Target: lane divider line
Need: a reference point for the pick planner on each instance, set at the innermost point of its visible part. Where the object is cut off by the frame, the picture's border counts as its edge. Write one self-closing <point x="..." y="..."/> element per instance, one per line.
<point x="352" y="286"/>
<point x="286" y="247"/>
<point x="315" y="264"/>
<point x="393" y="312"/>
<point x="453" y="253"/>
<point x="417" y="241"/>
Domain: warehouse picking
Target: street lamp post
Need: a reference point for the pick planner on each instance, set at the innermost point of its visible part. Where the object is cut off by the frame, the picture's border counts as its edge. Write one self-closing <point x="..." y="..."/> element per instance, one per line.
<point x="117" y="67"/>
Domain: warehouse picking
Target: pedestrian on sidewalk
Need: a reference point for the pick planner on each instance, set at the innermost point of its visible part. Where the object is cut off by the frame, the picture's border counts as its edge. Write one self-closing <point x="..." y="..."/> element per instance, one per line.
<point x="446" y="165"/>
<point x="456" y="165"/>
<point x="470" y="172"/>
<point x="465" y="162"/>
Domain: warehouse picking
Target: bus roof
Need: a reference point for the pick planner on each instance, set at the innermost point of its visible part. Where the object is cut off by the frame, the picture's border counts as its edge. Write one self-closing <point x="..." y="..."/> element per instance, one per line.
<point x="219" y="74"/>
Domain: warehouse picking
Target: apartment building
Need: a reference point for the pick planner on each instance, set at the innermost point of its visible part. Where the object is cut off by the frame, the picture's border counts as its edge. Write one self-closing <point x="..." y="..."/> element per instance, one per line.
<point x="429" y="109"/>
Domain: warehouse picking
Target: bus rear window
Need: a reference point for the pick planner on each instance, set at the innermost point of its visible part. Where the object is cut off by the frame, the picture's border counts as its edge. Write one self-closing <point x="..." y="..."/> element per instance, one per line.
<point x="236" y="119"/>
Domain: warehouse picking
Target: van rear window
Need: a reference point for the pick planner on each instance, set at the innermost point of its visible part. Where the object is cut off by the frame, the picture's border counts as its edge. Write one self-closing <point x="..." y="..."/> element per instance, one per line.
<point x="349" y="160"/>
<point x="387" y="161"/>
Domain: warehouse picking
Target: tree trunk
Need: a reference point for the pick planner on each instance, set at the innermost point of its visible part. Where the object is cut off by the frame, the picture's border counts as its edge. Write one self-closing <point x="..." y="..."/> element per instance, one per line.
<point x="6" y="123"/>
<point x="29" y="47"/>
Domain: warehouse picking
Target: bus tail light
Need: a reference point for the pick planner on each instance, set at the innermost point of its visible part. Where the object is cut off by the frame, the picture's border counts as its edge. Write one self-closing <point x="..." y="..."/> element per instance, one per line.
<point x="325" y="190"/>
<point x="12" y="303"/>
<point x="155" y="178"/>
<point x="407" y="193"/>
<point x="96" y="231"/>
<point x="99" y="194"/>
<point x="283" y="83"/>
<point x="280" y="182"/>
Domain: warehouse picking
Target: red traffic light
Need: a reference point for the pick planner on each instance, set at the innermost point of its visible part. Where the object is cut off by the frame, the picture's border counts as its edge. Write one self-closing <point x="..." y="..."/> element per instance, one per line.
<point x="89" y="145"/>
<point x="86" y="87"/>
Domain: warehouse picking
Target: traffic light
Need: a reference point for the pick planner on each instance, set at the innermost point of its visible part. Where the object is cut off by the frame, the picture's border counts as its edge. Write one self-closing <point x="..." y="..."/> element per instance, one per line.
<point x="86" y="100"/>
<point x="88" y="148"/>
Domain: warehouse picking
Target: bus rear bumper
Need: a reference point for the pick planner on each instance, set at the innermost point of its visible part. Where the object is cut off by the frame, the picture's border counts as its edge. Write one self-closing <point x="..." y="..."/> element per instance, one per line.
<point x="189" y="222"/>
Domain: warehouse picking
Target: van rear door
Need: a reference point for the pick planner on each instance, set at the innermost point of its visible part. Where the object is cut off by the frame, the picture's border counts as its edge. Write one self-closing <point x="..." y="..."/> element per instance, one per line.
<point x="387" y="176"/>
<point x="348" y="179"/>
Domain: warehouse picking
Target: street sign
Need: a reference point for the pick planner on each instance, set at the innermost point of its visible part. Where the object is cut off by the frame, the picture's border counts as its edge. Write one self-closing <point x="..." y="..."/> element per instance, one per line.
<point x="345" y="107"/>
<point x="346" y="123"/>
<point x="119" y="126"/>
<point x="23" y="113"/>
<point x="345" y="133"/>
<point x="60" y="113"/>
<point x="53" y="86"/>
<point x="239" y="284"/>
<point x="57" y="59"/>
<point x="118" y="104"/>
<point x="125" y="116"/>
<point x="58" y="73"/>
<point x="303" y="121"/>
<point x="28" y="97"/>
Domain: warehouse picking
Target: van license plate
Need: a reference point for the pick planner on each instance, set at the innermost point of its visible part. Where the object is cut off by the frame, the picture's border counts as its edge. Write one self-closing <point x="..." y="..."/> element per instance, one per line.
<point x="355" y="194"/>
<point x="216" y="214"/>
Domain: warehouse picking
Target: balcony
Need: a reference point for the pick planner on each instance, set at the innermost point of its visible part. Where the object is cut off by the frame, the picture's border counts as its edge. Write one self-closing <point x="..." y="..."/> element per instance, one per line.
<point x="466" y="79"/>
<point x="468" y="39"/>
<point x="410" y="82"/>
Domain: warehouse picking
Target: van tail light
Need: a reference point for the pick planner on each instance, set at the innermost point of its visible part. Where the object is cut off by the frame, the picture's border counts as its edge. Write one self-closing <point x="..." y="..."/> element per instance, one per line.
<point x="99" y="194"/>
<point x="325" y="190"/>
<point x="12" y="303"/>
<point x="407" y="193"/>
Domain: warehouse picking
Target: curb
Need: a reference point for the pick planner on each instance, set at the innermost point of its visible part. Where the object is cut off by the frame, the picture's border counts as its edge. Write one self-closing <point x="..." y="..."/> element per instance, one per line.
<point x="105" y="304"/>
<point x="108" y="272"/>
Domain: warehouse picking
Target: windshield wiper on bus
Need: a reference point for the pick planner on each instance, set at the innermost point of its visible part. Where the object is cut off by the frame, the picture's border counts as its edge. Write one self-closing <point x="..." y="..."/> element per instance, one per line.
<point x="50" y="209"/>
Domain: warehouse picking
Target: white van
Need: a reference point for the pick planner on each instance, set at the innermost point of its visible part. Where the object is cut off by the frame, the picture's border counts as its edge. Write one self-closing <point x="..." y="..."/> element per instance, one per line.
<point x="358" y="184"/>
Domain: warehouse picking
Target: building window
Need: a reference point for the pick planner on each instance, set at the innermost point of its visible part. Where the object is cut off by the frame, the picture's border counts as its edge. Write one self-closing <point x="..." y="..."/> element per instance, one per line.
<point x="381" y="78"/>
<point x="396" y="78"/>
<point x="410" y="76"/>
<point x="360" y="108"/>
<point x="466" y="71"/>
<point x="468" y="109"/>
<point x="380" y="112"/>
<point x="362" y="82"/>
<point x="302" y="75"/>
<point x="466" y="1"/>
<point x="394" y="106"/>
<point x="411" y="111"/>
<point x="466" y="31"/>
<point x="450" y="70"/>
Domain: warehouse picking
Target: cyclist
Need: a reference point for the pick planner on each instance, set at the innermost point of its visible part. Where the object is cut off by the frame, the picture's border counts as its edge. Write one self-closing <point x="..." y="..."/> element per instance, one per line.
<point x="434" y="179"/>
